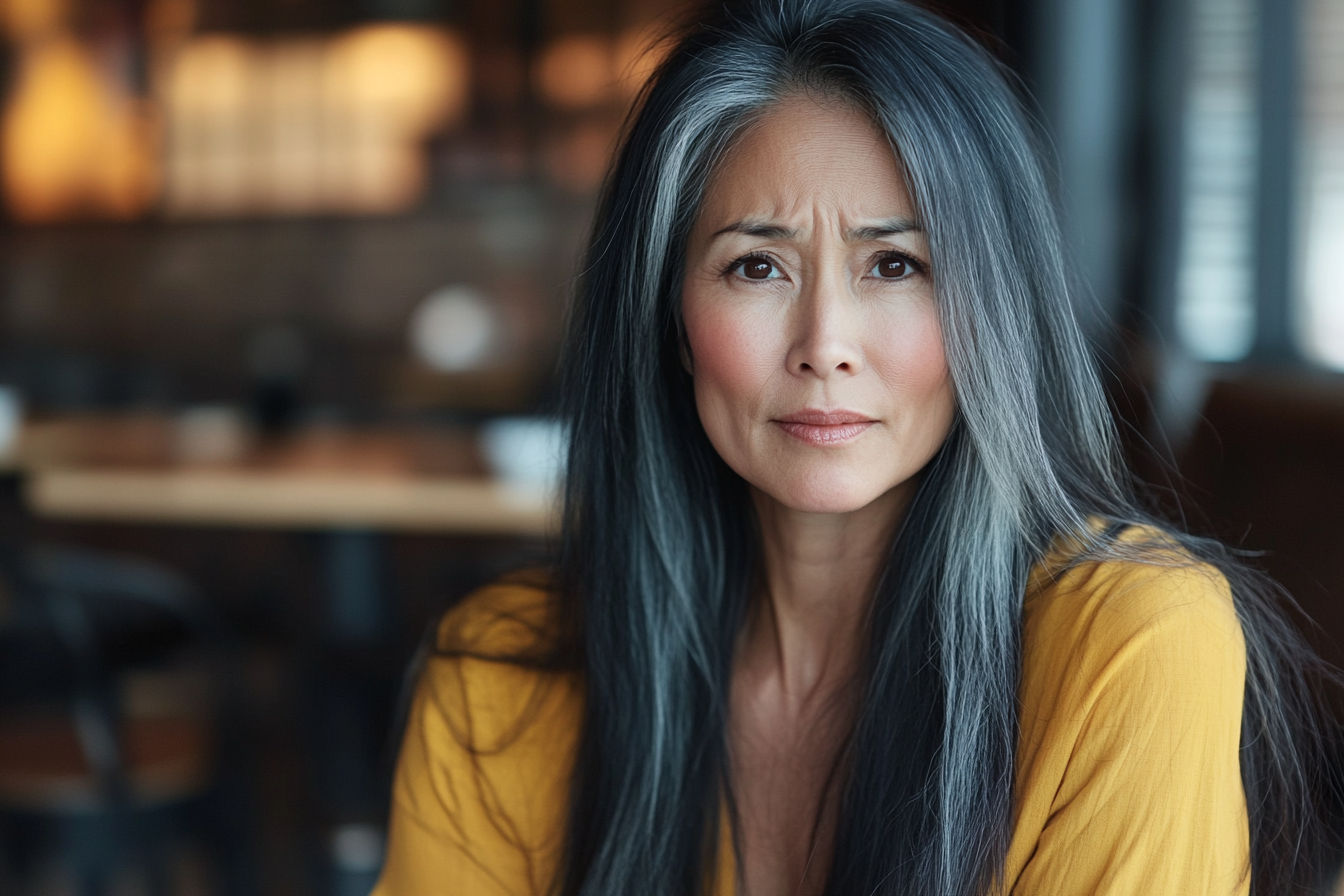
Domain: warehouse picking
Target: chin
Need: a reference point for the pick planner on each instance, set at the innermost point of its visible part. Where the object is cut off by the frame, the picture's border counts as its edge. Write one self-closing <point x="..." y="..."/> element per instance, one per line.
<point x="825" y="494"/>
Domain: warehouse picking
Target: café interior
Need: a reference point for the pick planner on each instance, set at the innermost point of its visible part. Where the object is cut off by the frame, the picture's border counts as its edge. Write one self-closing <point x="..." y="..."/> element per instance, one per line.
<point x="282" y="289"/>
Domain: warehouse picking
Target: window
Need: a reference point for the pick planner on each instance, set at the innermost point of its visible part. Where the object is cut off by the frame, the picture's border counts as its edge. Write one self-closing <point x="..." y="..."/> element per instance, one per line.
<point x="1215" y="302"/>
<point x="1258" y="271"/>
<point x="1321" y="183"/>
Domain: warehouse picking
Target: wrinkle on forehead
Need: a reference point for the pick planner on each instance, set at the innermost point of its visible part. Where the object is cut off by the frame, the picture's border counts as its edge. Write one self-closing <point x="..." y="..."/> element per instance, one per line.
<point x="752" y="159"/>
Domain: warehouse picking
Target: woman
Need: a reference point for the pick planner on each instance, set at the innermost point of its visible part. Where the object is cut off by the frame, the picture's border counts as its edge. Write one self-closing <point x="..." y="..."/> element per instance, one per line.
<point x="853" y="597"/>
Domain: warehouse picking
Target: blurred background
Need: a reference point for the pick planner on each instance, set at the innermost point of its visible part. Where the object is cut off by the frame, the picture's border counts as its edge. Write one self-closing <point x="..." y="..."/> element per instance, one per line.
<point x="281" y="285"/>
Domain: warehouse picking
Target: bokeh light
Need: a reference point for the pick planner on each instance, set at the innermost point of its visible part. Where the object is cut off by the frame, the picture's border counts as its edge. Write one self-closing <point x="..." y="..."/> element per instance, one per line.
<point x="576" y="72"/>
<point x="72" y="144"/>
<point x="307" y="125"/>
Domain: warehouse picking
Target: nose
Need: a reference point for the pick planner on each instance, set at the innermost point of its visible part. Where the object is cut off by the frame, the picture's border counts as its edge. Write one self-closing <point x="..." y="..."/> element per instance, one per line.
<point x="826" y="339"/>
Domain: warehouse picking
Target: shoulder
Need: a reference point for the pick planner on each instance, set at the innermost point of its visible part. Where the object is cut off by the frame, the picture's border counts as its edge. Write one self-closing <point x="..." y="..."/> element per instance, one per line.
<point x="494" y="677"/>
<point x="516" y="617"/>
<point x="1149" y="599"/>
<point x="1128" y="764"/>
<point x="481" y="788"/>
<point x="1148" y="626"/>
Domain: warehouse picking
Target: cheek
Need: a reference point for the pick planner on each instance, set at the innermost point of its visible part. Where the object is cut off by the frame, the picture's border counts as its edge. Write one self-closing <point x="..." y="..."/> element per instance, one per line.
<point x="919" y="351"/>
<point x="731" y="352"/>
<point x="914" y="366"/>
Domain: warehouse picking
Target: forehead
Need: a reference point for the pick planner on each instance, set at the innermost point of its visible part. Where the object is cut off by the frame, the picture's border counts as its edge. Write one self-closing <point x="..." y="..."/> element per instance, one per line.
<point x="804" y="152"/>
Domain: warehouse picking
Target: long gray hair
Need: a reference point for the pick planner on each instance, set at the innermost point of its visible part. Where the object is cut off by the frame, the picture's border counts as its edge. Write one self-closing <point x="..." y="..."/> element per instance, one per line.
<point x="659" y="542"/>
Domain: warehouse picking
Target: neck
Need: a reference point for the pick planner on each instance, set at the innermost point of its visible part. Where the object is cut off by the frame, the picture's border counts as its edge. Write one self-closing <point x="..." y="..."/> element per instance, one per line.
<point x="819" y="571"/>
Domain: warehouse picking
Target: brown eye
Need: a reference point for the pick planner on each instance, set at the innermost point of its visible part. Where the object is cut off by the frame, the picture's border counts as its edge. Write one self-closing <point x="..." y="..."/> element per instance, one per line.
<point x="757" y="269"/>
<point x="892" y="267"/>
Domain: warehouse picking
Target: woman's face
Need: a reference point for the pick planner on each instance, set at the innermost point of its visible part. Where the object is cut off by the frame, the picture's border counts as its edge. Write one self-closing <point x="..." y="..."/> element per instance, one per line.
<point x="809" y="309"/>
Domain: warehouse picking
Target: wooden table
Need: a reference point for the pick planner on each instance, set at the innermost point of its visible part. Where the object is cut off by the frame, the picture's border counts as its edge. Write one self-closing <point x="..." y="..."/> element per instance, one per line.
<point x="353" y="485"/>
<point x="152" y="469"/>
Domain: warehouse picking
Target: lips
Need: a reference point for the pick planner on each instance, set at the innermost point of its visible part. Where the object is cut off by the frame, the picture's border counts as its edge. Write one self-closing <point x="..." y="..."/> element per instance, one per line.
<point x="818" y="427"/>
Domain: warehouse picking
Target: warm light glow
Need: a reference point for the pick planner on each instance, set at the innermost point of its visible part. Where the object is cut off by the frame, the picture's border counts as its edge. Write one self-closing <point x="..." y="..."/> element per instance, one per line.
<point x="210" y="164"/>
<point x="584" y="71"/>
<point x="386" y="87"/>
<point x="71" y="146"/>
<point x="309" y="125"/>
<point x="26" y="21"/>
<point x="170" y="21"/>
<point x="292" y="127"/>
<point x="638" y="53"/>
<point x="411" y="75"/>
<point x="576" y="72"/>
<point x="213" y="77"/>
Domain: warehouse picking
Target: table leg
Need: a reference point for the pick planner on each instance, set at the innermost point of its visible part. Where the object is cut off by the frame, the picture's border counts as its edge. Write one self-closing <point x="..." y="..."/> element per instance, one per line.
<point x="354" y="706"/>
<point x="358" y="608"/>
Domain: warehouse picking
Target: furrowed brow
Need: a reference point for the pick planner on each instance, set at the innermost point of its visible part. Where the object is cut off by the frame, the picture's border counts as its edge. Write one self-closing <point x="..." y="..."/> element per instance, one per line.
<point x="756" y="228"/>
<point x="892" y="227"/>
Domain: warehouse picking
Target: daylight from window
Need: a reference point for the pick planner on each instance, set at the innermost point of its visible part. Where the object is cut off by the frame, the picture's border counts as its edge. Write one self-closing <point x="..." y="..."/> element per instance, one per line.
<point x="1322" y="179"/>
<point x="1215" y="308"/>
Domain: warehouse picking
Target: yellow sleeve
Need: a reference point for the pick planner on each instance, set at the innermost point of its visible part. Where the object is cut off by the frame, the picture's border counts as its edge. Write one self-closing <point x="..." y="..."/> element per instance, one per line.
<point x="482" y="781"/>
<point x="1129" y="775"/>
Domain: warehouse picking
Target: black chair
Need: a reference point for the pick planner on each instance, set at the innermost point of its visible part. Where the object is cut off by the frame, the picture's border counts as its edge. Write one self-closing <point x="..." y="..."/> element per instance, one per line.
<point x="116" y="706"/>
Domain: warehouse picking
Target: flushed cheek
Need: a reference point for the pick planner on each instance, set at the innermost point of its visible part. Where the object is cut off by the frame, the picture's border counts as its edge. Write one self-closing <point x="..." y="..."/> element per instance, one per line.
<point x="911" y="359"/>
<point x="733" y="357"/>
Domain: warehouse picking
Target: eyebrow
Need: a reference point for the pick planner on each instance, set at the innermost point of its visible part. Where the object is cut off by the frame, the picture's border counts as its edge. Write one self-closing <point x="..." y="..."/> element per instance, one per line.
<point x="890" y="227"/>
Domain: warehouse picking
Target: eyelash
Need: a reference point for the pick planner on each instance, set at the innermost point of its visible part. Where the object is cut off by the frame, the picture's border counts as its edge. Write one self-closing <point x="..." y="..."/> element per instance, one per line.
<point x="916" y="266"/>
<point x="738" y="263"/>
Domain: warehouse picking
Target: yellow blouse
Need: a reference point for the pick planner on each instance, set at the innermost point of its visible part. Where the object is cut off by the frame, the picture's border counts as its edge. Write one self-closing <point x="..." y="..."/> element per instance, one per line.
<point x="1127" y="774"/>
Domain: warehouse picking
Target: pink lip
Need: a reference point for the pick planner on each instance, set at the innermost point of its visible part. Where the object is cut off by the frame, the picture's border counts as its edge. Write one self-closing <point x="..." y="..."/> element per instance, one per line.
<point x="817" y="427"/>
